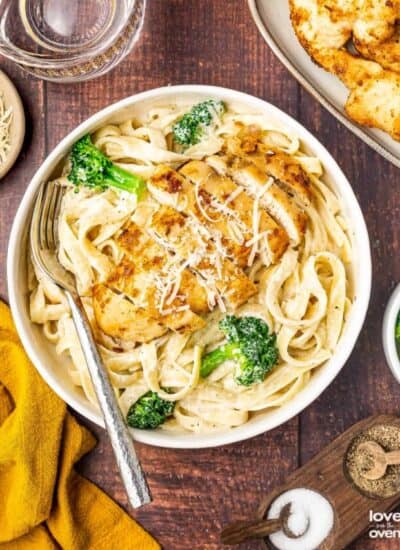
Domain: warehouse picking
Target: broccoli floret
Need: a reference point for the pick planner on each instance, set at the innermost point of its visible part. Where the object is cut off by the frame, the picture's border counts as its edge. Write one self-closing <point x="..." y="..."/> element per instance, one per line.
<point x="190" y="129"/>
<point x="149" y="412"/>
<point x="397" y="330"/>
<point x="91" y="168"/>
<point x="249" y="344"/>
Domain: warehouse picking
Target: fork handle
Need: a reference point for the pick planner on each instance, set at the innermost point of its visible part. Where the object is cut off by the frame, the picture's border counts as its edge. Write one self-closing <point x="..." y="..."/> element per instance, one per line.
<point x="121" y="440"/>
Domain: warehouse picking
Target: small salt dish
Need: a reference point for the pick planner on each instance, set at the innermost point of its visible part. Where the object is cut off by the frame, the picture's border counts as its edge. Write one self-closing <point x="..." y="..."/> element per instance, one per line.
<point x="388" y="333"/>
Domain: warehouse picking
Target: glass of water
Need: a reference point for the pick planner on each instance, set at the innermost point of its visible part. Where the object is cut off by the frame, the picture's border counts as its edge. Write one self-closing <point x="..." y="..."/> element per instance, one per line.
<point x="69" y="40"/>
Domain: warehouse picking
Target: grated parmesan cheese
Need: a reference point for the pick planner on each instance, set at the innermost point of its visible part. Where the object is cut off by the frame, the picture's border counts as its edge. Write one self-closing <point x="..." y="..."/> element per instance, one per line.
<point x="229" y="213"/>
<point x="168" y="285"/>
<point x="235" y="233"/>
<point x="264" y="188"/>
<point x="175" y="310"/>
<point x="6" y="116"/>
<point x="199" y="202"/>
<point x="258" y="237"/>
<point x="202" y="235"/>
<point x="233" y="195"/>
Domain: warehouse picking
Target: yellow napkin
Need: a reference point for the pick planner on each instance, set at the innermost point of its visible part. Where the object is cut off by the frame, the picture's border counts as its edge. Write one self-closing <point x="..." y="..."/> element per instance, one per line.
<point x="44" y="503"/>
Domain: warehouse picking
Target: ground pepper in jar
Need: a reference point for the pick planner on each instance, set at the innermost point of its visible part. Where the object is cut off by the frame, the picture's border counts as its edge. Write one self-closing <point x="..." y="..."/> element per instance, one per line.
<point x="358" y="462"/>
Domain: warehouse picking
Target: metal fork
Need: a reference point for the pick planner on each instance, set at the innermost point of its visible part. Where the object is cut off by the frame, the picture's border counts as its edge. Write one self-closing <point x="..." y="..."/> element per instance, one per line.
<point x="44" y="242"/>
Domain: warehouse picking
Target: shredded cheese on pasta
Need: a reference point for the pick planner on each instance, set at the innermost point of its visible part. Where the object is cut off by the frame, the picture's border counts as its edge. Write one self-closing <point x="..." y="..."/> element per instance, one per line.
<point x="304" y="298"/>
<point x="6" y="116"/>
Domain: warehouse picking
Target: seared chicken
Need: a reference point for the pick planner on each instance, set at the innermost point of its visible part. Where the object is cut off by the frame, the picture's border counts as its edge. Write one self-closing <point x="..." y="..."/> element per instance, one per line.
<point x="274" y="199"/>
<point x="386" y="54"/>
<point x="119" y="318"/>
<point x="173" y="189"/>
<point x="150" y="258"/>
<point x="376" y="34"/>
<point x="189" y="242"/>
<point x="286" y="171"/>
<point x="325" y="24"/>
<point x="132" y="305"/>
<point x="325" y="28"/>
<point x="376" y="21"/>
<point x="330" y="24"/>
<point x="374" y="99"/>
<point x="222" y="189"/>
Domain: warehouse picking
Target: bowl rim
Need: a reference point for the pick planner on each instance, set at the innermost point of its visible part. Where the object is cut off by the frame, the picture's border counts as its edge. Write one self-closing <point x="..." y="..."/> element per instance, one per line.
<point x="392" y="311"/>
<point x="357" y="314"/>
<point x="18" y="123"/>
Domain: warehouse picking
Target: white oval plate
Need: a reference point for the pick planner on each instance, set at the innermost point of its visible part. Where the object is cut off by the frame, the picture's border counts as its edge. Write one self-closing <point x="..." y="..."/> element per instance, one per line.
<point x="52" y="367"/>
<point x="273" y="21"/>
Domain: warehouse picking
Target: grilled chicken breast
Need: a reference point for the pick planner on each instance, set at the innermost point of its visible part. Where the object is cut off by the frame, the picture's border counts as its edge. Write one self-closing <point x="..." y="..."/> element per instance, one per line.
<point x="119" y="318"/>
<point x="287" y="171"/>
<point x="325" y="28"/>
<point x="330" y="25"/>
<point x="185" y="238"/>
<point x="136" y="304"/>
<point x="155" y="260"/>
<point x="222" y="189"/>
<point x="325" y="24"/>
<point x="180" y="256"/>
<point x="173" y="189"/>
<point x="374" y="98"/>
<point x="274" y="199"/>
<point x="376" y="103"/>
<point x="376" y="34"/>
<point x="386" y="54"/>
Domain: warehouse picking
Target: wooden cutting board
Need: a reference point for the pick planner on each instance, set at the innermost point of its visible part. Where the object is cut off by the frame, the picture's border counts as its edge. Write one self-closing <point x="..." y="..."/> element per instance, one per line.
<point x="325" y="473"/>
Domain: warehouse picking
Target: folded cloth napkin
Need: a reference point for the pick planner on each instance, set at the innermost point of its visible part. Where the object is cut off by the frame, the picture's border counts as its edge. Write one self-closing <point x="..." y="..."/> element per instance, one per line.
<point x="44" y="503"/>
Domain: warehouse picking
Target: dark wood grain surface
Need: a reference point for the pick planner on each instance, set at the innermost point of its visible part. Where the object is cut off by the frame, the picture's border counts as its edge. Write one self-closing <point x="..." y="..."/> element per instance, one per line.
<point x="216" y="42"/>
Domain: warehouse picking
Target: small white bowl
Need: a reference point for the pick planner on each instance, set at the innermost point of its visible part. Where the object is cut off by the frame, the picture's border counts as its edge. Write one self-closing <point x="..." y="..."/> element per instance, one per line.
<point x="388" y="333"/>
<point x="42" y="352"/>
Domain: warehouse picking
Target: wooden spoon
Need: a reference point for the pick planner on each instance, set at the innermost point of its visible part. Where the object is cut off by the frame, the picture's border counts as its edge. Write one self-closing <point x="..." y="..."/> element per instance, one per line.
<point x="259" y="528"/>
<point x="381" y="459"/>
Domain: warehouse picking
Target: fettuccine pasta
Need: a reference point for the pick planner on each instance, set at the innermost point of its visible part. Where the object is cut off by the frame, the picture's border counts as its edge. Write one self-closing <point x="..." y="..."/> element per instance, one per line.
<point x="299" y="271"/>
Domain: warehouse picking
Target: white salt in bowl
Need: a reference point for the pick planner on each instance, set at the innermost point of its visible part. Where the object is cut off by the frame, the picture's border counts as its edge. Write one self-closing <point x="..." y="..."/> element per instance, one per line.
<point x="52" y="367"/>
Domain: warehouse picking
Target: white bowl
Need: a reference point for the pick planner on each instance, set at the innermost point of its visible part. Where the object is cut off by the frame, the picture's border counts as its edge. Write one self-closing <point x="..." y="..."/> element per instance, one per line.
<point x="42" y="352"/>
<point x="388" y="332"/>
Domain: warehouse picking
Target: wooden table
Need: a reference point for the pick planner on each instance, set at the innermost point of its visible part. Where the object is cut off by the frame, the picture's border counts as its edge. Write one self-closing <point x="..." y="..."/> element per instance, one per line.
<point x="216" y="42"/>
